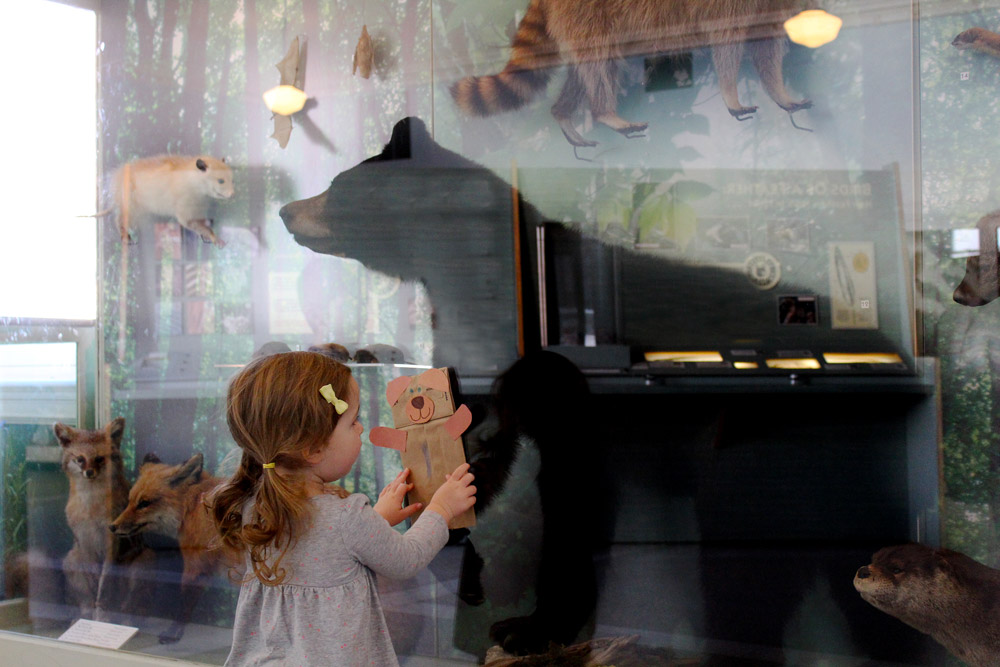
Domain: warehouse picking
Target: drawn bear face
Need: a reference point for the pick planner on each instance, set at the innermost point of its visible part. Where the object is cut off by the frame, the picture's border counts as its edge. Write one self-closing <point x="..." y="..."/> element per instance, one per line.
<point x="421" y="398"/>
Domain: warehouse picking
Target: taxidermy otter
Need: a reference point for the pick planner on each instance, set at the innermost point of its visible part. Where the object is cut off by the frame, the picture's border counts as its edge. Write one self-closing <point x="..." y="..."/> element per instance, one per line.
<point x="942" y="593"/>
<point x="595" y="36"/>
<point x="171" y="186"/>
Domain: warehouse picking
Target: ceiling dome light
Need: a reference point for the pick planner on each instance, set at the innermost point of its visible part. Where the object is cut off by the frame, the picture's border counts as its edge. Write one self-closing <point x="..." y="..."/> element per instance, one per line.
<point x="285" y="100"/>
<point x="813" y="28"/>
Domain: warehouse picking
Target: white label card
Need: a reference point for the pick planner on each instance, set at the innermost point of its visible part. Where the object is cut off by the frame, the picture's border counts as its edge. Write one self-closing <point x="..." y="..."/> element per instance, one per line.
<point x="853" y="289"/>
<point x="95" y="633"/>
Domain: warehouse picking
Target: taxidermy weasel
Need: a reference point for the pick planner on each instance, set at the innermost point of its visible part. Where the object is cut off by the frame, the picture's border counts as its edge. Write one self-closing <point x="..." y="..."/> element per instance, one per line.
<point x="98" y="492"/>
<point x="978" y="39"/>
<point x="594" y="37"/>
<point x="171" y="186"/>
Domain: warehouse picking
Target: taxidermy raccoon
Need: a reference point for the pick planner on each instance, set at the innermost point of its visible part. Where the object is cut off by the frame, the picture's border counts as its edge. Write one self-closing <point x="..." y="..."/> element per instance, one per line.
<point x="594" y="37"/>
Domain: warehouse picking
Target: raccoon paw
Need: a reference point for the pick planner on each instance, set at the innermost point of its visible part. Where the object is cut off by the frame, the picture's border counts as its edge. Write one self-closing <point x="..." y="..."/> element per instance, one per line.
<point x="743" y="113"/>
<point x="573" y="137"/>
<point x="633" y="130"/>
<point x="798" y="106"/>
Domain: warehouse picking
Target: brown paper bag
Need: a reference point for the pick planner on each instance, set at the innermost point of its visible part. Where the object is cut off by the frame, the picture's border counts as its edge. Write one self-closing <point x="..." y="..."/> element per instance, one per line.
<point x="428" y="434"/>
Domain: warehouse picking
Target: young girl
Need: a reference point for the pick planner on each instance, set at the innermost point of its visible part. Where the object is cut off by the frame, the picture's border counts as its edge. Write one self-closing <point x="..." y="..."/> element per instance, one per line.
<point x="309" y="597"/>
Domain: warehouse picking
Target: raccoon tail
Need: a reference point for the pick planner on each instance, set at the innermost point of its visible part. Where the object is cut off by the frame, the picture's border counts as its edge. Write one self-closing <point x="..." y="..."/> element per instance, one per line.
<point x="526" y="74"/>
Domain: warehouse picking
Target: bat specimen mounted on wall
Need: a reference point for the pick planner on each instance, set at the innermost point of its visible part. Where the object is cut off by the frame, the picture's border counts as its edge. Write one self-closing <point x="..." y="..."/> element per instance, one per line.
<point x="292" y="71"/>
<point x="594" y="37"/>
<point x="364" y="55"/>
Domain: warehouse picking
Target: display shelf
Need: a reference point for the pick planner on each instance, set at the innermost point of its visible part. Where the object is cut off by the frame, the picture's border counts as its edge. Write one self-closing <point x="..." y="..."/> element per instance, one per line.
<point x="601" y="382"/>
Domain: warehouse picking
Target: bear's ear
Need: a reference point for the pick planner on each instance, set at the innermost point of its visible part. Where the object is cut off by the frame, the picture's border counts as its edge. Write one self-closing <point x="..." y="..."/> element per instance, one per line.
<point x="396" y="388"/>
<point x="435" y="378"/>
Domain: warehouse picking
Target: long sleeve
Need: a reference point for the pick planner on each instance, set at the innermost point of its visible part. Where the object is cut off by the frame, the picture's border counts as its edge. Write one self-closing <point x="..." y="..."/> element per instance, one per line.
<point x="369" y="538"/>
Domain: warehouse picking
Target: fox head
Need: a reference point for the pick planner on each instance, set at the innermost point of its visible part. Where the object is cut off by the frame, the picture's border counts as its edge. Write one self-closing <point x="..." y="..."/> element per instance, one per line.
<point x="157" y="499"/>
<point x="87" y="454"/>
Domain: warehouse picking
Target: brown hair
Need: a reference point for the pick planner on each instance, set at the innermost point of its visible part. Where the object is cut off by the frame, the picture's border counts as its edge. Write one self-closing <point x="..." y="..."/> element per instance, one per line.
<point x="276" y="415"/>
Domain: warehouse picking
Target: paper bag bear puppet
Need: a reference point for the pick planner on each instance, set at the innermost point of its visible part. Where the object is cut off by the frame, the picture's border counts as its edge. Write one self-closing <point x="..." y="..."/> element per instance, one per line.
<point x="428" y="433"/>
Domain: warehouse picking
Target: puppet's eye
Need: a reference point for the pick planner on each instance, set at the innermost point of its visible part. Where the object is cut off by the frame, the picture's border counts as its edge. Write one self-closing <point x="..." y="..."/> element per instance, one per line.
<point x="99" y="460"/>
<point x="80" y="460"/>
<point x="895" y="569"/>
<point x="221" y="181"/>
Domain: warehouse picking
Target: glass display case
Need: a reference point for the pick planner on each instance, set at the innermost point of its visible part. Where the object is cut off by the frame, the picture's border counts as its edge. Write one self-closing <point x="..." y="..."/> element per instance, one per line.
<point x="770" y="266"/>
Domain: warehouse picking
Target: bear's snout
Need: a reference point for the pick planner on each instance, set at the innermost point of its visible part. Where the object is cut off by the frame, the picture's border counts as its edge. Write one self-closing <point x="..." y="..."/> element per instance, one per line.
<point x="863" y="572"/>
<point x="306" y="218"/>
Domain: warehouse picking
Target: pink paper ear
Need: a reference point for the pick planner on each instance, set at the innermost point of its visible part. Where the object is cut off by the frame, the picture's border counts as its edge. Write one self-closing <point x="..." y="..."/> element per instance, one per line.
<point x="396" y="388"/>
<point x="435" y="378"/>
<point x="383" y="436"/>
<point x="458" y="422"/>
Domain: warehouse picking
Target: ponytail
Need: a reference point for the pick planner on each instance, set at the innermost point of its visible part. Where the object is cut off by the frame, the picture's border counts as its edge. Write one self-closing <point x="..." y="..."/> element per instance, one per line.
<point x="280" y="507"/>
<point x="276" y="414"/>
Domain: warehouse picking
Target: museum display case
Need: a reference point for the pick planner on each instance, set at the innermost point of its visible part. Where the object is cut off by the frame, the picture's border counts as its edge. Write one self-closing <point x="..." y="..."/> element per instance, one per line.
<point x="718" y="297"/>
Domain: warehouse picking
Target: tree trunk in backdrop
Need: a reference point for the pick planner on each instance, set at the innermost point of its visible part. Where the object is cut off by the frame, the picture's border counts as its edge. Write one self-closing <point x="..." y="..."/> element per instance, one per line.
<point x="255" y="117"/>
<point x="222" y="95"/>
<point x="165" y="93"/>
<point x="193" y="95"/>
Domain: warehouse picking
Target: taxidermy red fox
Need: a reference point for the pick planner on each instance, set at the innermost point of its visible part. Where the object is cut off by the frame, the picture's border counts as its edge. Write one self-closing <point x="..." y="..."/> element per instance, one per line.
<point x="170" y="500"/>
<point x="98" y="491"/>
<point x="594" y="37"/>
<point x="171" y="186"/>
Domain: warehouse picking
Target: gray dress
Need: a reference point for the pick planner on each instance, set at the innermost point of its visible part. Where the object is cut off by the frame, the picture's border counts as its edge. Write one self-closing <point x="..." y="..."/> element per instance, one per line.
<point x="327" y="611"/>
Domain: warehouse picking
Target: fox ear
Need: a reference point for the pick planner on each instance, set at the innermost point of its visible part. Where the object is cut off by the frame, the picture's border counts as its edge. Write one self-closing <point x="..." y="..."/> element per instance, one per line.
<point x="115" y="430"/>
<point x="190" y="470"/>
<point x="150" y="457"/>
<point x="64" y="434"/>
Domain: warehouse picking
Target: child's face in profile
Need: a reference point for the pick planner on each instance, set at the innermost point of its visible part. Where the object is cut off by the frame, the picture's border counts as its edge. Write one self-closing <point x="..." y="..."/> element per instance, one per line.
<point x="342" y="448"/>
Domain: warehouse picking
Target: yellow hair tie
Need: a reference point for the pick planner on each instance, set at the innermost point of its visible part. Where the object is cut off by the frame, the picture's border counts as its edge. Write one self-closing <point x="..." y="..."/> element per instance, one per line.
<point x="331" y="396"/>
<point x="269" y="465"/>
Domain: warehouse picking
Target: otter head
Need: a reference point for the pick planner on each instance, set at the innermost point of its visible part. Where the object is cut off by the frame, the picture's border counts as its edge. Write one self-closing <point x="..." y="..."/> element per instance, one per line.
<point x="912" y="582"/>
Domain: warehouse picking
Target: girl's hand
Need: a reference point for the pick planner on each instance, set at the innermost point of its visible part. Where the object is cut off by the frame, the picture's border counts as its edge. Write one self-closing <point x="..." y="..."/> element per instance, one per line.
<point x="456" y="495"/>
<point x="390" y="501"/>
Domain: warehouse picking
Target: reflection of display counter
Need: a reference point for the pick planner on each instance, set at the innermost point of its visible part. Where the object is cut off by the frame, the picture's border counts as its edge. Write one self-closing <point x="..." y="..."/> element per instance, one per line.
<point x="761" y="266"/>
<point x="638" y="380"/>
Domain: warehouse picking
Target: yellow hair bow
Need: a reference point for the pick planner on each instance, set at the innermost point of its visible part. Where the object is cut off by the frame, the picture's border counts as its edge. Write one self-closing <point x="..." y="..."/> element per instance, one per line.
<point x="331" y="397"/>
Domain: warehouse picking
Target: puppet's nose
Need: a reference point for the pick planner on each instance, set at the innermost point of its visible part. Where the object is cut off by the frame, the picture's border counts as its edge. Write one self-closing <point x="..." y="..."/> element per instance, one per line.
<point x="417" y="402"/>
